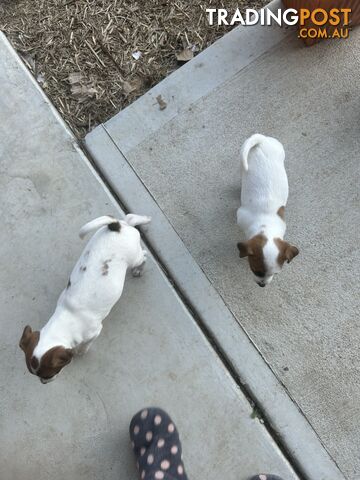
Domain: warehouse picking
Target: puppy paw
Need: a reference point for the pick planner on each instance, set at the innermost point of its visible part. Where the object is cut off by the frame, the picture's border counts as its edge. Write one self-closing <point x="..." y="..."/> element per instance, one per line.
<point x="82" y="349"/>
<point x="137" y="271"/>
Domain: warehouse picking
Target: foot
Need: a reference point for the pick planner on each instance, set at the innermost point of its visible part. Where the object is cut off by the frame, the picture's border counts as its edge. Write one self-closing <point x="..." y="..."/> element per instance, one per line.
<point x="157" y="446"/>
<point x="139" y="270"/>
<point x="83" y="348"/>
<point x="266" y="476"/>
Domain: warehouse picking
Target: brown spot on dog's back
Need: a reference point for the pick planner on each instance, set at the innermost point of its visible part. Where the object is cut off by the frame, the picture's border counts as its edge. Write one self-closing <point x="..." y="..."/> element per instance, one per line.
<point x="114" y="226"/>
<point x="105" y="267"/>
<point x="254" y="250"/>
<point x="281" y="213"/>
<point x="286" y="251"/>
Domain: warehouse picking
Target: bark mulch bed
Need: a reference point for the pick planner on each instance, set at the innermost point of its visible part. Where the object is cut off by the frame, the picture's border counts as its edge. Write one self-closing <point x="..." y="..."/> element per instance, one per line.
<point x="95" y="57"/>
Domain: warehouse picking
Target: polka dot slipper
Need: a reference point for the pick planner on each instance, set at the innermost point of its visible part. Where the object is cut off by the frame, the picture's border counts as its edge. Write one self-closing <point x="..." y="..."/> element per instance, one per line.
<point x="157" y="446"/>
<point x="266" y="476"/>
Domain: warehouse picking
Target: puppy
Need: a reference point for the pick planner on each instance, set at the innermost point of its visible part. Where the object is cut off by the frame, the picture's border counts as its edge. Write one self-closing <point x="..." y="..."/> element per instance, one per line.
<point x="261" y="216"/>
<point x="95" y="285"/>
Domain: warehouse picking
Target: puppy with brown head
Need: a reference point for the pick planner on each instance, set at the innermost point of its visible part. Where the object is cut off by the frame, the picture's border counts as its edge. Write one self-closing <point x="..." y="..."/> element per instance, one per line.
<point x="261" y="216"/>
<point x="49" y="364"/>
<point x="95" y="285"/>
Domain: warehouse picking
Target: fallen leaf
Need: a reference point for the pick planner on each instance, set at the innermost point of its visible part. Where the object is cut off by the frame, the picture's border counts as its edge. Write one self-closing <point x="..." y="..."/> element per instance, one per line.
<point x="132" y="85"/>
<point x="185" y="55"/>
<point x="161" y="102"/>
<point x="83" y="92"/>
<point x="75" y="77"/>
<point x="81" y="87"/>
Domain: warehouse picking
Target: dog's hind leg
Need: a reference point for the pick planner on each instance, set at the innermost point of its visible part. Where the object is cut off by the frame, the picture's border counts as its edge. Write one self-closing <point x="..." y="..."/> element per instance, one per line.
<point x="138" y="269"/>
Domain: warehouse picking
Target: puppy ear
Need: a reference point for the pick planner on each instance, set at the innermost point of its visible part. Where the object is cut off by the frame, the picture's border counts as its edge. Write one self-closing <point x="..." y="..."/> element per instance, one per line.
<point x="25" y="338"/>
<point x="60" y="357"/>
<point x="244" y="249"/>
<point x="291" y="252"/>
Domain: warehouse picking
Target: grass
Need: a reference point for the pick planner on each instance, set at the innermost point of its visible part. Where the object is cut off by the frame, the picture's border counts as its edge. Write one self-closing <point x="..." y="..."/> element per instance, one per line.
<point x="82" y="51"/>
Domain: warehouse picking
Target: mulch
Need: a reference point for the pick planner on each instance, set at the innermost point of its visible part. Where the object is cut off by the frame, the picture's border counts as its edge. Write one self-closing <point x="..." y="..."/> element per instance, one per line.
<point x="95" y="57"/>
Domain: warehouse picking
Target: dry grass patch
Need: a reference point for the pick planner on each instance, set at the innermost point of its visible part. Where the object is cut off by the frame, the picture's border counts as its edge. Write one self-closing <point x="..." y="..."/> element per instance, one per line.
<point x="95" y="57"/>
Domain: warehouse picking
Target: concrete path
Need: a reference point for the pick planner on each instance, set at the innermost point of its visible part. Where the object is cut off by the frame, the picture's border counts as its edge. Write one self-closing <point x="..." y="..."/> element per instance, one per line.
<point x="151" y="350"/>
<point x="305" y="324"/>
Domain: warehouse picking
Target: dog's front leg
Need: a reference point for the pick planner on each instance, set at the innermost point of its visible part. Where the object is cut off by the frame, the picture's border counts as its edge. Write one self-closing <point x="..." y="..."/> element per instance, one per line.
<point x="85" y="346"/>
<point x="241" y="218"/>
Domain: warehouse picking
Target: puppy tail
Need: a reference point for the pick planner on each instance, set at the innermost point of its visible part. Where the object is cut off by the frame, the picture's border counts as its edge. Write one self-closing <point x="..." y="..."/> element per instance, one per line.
<point x="250" y="143"/>
<point x="133" y="220"/>
<point x="111" y="222"/>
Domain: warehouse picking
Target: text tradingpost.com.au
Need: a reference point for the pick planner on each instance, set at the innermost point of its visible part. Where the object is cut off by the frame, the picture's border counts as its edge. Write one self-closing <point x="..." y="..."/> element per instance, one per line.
<point x="338" y="18"/>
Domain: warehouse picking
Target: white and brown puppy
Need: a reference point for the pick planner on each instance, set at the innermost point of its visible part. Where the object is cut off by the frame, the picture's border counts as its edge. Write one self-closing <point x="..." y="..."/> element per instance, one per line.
<point x="261" y="216"/>
<point x="95" y="285"/>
